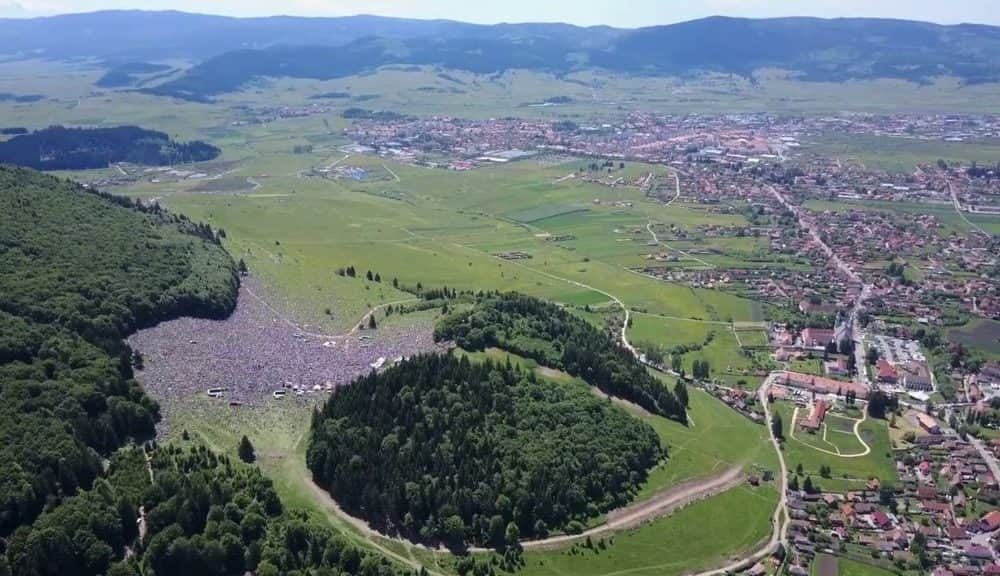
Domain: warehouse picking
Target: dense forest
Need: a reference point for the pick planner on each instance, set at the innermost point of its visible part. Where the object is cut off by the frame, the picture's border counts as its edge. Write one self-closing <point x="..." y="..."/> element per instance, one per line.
<point x="202" y="515"/>
<point x="78" y="273"/>
<point x="79" y="270"/>
<point x="60" y="148"/>
<point x="556" y="338"/>
<point x="444" y="449"/>
<point x="129" y="73"/>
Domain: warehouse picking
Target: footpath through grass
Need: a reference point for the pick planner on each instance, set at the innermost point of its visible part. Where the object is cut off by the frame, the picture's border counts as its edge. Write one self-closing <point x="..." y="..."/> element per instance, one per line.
<point x="700" y="536"/>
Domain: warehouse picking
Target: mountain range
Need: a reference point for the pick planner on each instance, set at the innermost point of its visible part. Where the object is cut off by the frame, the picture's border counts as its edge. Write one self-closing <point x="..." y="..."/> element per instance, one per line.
<point x="229" y="52"/>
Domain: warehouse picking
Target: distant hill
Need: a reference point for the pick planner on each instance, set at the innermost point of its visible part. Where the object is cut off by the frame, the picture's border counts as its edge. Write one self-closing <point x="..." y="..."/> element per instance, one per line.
<point x="129" y="35"/>
<point x="233" y="52"/>
<point x="836" y="50"/>
<point x="59" y="148"/>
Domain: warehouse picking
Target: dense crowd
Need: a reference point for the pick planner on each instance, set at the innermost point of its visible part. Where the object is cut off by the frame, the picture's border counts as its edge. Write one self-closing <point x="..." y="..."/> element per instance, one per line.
<point x="256" y="352"/>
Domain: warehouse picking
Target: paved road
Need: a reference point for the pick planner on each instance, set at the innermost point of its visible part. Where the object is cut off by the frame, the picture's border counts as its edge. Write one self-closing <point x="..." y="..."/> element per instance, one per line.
<point x="809" y="224"/>
<point x="991" y="460"/>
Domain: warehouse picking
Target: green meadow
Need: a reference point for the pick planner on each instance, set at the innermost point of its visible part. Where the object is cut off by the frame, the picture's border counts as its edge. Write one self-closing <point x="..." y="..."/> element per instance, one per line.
<point x="700" y="536"/>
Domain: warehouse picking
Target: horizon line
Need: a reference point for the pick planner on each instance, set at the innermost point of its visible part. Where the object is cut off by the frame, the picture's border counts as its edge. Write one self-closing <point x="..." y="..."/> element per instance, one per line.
<point x="30" y="16"/>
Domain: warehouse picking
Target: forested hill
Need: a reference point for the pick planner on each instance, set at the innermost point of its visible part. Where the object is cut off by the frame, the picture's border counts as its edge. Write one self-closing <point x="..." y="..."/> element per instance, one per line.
<point x="442" y="449"/>
<point x="59" y="148"/>
<point x="556" y="338"/>
<point x="80" y="270"/>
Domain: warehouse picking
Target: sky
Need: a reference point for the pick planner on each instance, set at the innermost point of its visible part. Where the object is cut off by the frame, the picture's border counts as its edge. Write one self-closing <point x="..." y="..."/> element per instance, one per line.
<point x="628" y="13"/>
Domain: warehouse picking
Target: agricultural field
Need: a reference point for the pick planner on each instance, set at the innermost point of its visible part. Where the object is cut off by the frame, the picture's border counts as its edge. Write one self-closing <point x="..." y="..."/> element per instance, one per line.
<point x="902" y="155"/>
<point x="826" y="565"/>
<point x="983" y="335"/>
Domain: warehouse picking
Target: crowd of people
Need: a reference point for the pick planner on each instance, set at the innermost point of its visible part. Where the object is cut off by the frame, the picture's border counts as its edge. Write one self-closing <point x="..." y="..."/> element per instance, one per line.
<point x="256" y="352"/>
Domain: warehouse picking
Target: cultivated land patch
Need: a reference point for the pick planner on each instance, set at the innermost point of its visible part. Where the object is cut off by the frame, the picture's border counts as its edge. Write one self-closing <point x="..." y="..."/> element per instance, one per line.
<point x="981" y="334"/>
<point x="532" y="215"/>
<point x="825" y="565"/>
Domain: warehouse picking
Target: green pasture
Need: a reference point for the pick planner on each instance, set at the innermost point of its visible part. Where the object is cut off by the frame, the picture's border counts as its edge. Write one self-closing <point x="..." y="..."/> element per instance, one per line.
<point x="438" y="228"/>
<point x="667" y="333"/>
<point x="700" y="536"/>
<point x="894" y="154"/>
<point x="716" y="438"/>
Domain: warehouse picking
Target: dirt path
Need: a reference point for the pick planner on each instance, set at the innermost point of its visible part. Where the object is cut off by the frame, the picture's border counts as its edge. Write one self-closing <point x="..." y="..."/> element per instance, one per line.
<point x="389" y="170"/>
<point x="958" y="208"/>
<point x="323" y="497"/>
<point x="625" y="518"/>
<point x="655" y="507"/>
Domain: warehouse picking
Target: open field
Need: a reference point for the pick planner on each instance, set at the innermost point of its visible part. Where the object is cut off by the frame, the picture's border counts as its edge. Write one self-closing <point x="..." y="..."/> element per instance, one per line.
<point x="448" y="230"/>
<point x="667" y="333"/>
<point x="850" y="567"/>
<point x="904" y="154"/>
<point x="424" y="91"/>
<point x="979" y="334"/>
<point x="719" y="438"/>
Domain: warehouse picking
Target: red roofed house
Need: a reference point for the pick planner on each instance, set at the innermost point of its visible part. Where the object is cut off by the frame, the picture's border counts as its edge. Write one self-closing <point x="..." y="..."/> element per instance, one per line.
<point x="991" y="521"/>
<point x="816" y="337"/>
<point x="881" y="520"/>
<point x="887" y="373"/>
<point x="816" y="416"/>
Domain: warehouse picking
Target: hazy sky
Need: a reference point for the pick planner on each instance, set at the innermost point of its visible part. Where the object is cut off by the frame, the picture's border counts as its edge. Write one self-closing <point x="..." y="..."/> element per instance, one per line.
<point x="627" y="13"/>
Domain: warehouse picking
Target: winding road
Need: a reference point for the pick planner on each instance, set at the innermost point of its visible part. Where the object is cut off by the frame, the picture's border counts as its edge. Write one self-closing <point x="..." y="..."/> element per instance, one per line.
<point x="779" y="524"/>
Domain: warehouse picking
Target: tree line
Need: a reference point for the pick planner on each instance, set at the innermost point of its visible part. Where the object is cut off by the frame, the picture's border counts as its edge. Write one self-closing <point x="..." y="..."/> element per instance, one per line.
<point x="554" y="337"/>
<point x="61" y="148"/>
